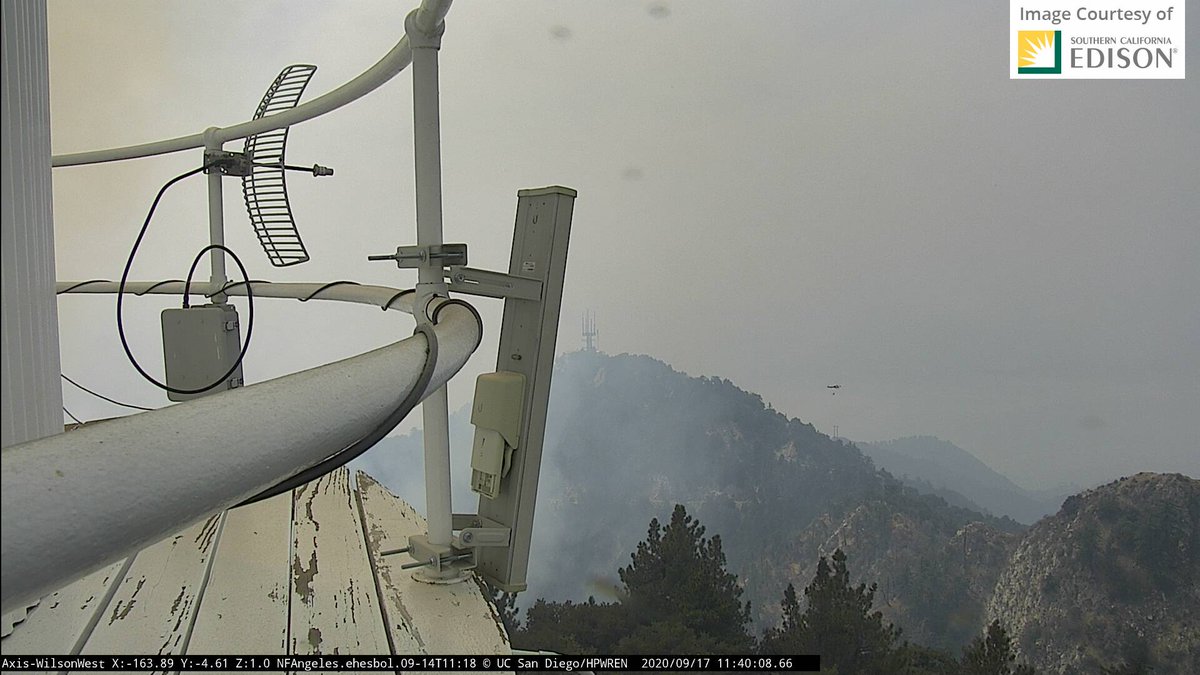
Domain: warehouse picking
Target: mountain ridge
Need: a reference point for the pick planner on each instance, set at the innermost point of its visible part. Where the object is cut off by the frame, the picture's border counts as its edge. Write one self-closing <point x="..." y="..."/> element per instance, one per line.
<point x="628" y="437"/>
<point x="944" y="466"/>
<point x="1112" y="578"/>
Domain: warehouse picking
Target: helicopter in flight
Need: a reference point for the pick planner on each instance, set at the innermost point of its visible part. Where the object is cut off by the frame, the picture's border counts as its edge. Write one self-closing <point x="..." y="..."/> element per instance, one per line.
<point x="834" y="387"/>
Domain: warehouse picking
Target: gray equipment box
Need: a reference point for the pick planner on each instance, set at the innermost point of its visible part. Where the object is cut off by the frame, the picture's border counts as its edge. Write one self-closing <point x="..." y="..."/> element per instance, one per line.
<point x="199" y="345"/>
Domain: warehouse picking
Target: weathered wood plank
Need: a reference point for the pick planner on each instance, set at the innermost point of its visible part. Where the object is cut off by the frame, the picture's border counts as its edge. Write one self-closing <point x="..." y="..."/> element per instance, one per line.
<point x="61" y="622"/>
<point x="245" y="606"/>
<point x="334" y="608"/>
<point x="422" y="617"/>
<point x="154" y="606"/>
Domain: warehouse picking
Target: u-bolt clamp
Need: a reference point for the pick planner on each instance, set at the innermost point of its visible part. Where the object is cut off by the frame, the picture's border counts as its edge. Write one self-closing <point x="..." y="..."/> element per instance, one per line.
<point x="446" y="255"/>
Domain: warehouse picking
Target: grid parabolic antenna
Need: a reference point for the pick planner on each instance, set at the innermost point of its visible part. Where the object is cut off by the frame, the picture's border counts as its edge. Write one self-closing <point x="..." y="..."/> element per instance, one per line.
<point x="264" y="188"/>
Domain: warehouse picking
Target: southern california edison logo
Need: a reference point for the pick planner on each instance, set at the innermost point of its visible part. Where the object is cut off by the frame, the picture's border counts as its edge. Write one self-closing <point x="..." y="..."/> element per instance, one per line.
<point x="1039" y="52"/>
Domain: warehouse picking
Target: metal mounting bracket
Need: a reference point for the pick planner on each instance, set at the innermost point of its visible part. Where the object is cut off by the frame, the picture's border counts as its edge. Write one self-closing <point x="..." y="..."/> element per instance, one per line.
<point x="474" y="531"/>
<point x="419" y="256"/>
<point x="442" y="561"/>
<point x="228" y="163"/>
<point x="493" y="284"/>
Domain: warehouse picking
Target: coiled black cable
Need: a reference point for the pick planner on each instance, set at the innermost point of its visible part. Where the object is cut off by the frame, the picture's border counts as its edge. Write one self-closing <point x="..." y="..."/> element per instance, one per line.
<point x="187" y="287"/>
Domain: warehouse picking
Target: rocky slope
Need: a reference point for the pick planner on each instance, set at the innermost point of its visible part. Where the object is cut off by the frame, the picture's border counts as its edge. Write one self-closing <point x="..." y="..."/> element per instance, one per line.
<point x="934" y="570"/>
<point x="1113" y="577"/>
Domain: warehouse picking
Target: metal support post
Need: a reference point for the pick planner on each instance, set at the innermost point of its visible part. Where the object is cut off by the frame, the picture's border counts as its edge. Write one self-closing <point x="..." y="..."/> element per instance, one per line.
<point x="435" y="421"/>
<point x="430" y="283"/>
<point x="428" y="152"/>
<point x="216" y="219"/>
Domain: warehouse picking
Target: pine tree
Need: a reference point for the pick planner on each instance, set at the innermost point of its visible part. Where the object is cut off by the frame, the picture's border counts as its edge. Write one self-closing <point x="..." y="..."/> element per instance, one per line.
<point x="678" y="577"/>
<point x="505" y="605"/>
<point x="992" y="654"/>
<point x="782" y="639"/>
<point x="677" y="599"/>
<point x="574" y="628"/>
<point x="837" y="624"/>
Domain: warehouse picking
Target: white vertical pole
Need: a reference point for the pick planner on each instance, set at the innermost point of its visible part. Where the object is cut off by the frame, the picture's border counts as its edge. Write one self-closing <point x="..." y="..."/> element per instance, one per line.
<point x="435" y="421"/>
<point x="30" y="391"/>
<point x="216" y="220"/>
<point x="428" y="152"/>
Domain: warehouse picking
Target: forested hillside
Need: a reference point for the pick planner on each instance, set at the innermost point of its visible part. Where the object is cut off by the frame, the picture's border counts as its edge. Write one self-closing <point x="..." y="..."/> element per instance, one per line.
<point x="629" y="439"/>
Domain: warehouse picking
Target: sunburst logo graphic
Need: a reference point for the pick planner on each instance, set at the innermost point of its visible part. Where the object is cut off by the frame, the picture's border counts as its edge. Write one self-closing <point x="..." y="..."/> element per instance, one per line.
<point x="1039" y="52"/>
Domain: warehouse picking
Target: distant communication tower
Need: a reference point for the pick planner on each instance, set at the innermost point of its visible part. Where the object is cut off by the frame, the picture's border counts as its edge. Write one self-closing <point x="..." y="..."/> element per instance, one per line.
<point x="590" y="334"/>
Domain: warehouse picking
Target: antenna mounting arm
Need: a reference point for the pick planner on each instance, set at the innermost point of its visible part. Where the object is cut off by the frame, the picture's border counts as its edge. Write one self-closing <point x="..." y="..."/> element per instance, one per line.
<point x="228" y="163"/>
<point x="450" y="255"/>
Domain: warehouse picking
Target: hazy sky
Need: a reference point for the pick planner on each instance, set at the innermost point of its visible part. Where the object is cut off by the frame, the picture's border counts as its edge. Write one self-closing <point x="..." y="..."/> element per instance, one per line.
<point x="785" y="194"/>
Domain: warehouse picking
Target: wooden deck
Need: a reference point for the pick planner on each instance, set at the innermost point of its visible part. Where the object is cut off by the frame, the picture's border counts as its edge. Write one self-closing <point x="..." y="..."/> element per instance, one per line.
<point x="297" y="574"/>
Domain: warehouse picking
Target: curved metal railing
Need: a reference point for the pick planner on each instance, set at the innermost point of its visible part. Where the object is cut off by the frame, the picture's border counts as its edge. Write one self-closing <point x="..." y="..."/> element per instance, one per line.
<point x="428" y="17"/>
<point x="384" y="297"/>
<point x="77" y="501"/>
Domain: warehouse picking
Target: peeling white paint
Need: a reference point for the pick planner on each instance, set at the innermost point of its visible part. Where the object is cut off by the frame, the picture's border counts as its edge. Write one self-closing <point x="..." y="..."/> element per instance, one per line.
<point x="293" y="574"/>
<point x="245" y="607"/>
<point x="154" y="605"/>
<point x="440" y="618"/>
<point x="63" y="618"/>
<point x="334" y="609"/>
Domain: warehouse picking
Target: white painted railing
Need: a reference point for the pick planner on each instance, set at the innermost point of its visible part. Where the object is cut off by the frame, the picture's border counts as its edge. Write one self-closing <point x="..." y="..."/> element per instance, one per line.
<point x="384" y="297"/>
<point x="77" y="501"/>
<point x="428" y="16"/>
<point x="420" y="44"/>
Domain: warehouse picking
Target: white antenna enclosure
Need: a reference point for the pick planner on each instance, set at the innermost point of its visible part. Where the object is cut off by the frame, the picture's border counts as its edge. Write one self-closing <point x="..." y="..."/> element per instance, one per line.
<point x="497" y="415"/>
<point x="527" y="340"/>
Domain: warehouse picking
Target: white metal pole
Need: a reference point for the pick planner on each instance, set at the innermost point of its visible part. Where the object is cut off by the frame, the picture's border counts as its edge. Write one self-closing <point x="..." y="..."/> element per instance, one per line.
<point x="427" y="149"/>
<point x="428" y="164"/>
<point x="31" y="399"/>
<point x="435" y="422"/>
<point x="216" y="220"/>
